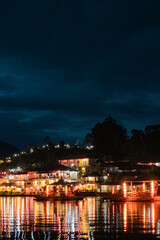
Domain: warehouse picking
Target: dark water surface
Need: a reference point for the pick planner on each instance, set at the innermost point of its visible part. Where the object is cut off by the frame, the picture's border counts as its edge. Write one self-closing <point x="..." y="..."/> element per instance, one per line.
<point x="92" y="218"/>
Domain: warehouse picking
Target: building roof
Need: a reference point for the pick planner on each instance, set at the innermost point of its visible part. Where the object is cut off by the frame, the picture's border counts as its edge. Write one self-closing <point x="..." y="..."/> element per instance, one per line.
<point x="128" y="166"/>
<point x="8" y="184"/>
<point x="137" y="176"/>
<point x="111" y="183"/>
<point x="73" y="156"/>
<point x="62" y="182"/>
<point x="93" y="174"/>
<point x="48" y="169"/>
<point x="18" y="173"/>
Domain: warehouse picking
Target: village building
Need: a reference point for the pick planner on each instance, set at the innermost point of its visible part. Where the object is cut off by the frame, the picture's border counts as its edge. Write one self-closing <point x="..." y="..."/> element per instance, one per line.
<point x="83" y="164"/>
<point x="35" y="181"/>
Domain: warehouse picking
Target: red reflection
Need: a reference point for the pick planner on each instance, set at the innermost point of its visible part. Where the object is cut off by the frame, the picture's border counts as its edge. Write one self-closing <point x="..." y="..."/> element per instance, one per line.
<point x="137" y="213"/>
<point x="24" y="214"/>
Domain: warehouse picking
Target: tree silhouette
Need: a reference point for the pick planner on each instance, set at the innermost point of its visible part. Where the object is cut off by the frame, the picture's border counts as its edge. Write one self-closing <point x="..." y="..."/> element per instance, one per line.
<point x="138" y="149"/>
<point x="47" y="139"/>
<point x="48" y="142"/>
<point x="152" y="136"/>
<point x="61" y="144"/>
<point x="109" y="138"/>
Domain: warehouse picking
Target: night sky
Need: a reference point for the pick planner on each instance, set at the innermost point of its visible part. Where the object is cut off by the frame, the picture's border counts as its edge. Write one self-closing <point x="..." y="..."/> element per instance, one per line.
<point x="66" y="65"/>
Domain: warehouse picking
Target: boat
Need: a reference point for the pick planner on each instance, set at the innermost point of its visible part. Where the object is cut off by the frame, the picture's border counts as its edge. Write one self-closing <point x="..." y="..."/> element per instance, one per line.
<point x="58" y="198"/>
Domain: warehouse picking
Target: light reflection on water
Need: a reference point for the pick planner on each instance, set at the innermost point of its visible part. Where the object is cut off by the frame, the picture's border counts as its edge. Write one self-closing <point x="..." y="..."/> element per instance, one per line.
<point x="20" y="216"/>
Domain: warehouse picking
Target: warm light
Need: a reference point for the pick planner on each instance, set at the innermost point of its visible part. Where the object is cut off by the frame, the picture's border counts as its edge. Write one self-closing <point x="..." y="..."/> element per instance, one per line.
<point x="90" y="178"/>
<point x="125" y="216"/>
<point x="66" y="190"/>
<point x="118" y="187"/>
<point x="57" y="146"/>
<point x="124" y="190"/>
<point x="153" y="217"/>
<point x="112" y="189"/>
<point x="152" y="189"/>
<point x="47" y="190"/>
<point x="105" y="177"/>
<point x="143" y="186"/>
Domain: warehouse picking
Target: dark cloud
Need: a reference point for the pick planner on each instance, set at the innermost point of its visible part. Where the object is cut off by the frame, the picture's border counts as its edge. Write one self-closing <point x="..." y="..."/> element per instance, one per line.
<point x="65" y="65"/>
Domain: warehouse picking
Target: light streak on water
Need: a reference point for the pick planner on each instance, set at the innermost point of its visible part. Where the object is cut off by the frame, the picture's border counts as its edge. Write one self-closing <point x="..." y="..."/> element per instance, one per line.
<point x="23" y="218"/>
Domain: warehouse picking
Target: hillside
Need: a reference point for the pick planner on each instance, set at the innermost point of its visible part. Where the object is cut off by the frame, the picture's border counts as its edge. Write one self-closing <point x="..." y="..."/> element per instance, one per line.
<point x="7" y="150"/>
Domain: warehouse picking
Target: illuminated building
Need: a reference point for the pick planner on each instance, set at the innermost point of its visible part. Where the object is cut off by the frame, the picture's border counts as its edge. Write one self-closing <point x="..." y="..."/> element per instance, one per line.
<point x="35" y="182"/>
<point x="82" y="164"/>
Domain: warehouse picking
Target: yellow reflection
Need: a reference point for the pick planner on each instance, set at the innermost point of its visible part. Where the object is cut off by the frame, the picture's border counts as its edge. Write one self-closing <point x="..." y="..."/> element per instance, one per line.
<point x="92" y="214"/>
<point x="125" y="189"/>
<point x="125" y="217"/>
<point x="153" y="217"/>
<point x="152" y="189"/>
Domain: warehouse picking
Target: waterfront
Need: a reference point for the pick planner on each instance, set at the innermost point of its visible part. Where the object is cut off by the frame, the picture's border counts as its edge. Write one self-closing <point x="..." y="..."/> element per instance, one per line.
<point x="91" y="218"/>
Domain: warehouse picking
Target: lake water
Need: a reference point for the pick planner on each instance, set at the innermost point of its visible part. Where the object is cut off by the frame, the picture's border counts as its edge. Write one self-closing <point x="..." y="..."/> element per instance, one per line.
<point x="92" y="218"/>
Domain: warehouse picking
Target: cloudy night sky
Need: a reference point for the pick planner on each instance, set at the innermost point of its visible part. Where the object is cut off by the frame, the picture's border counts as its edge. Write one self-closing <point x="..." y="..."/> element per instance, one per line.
<point x="66" y="65"/>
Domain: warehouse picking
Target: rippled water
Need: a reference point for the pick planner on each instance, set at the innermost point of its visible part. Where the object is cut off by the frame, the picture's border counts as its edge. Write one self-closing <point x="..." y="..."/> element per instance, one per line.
<point x="92" y="218"/>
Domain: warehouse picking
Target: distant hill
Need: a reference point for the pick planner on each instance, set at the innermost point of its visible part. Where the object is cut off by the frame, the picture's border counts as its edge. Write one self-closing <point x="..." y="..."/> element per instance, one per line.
<point x="7" y="150"/>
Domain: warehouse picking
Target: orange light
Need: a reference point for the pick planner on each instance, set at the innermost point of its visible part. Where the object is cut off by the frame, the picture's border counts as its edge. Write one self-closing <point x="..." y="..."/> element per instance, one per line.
<point x="124" y="190"/>
<point x="66" y="190"/>
<point x="112" y="189"/>
<point x="152" y="189"/>
<point x="125" y="217"/>
<point x="153" y="217"/>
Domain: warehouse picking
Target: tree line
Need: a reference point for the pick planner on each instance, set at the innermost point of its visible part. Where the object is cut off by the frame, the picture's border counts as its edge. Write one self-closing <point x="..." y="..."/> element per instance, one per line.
<point x="110" y="138"/>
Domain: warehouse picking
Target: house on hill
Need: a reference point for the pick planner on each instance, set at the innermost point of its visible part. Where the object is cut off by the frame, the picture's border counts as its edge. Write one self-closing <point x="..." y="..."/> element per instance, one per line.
<point x="83" y="164"/>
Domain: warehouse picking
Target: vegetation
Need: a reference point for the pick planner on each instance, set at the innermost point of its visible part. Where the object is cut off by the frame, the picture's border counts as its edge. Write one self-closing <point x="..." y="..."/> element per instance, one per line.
<point x="107" y="141"/>
<point x="110" y="138"/>
<point x="42" y="156"/>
